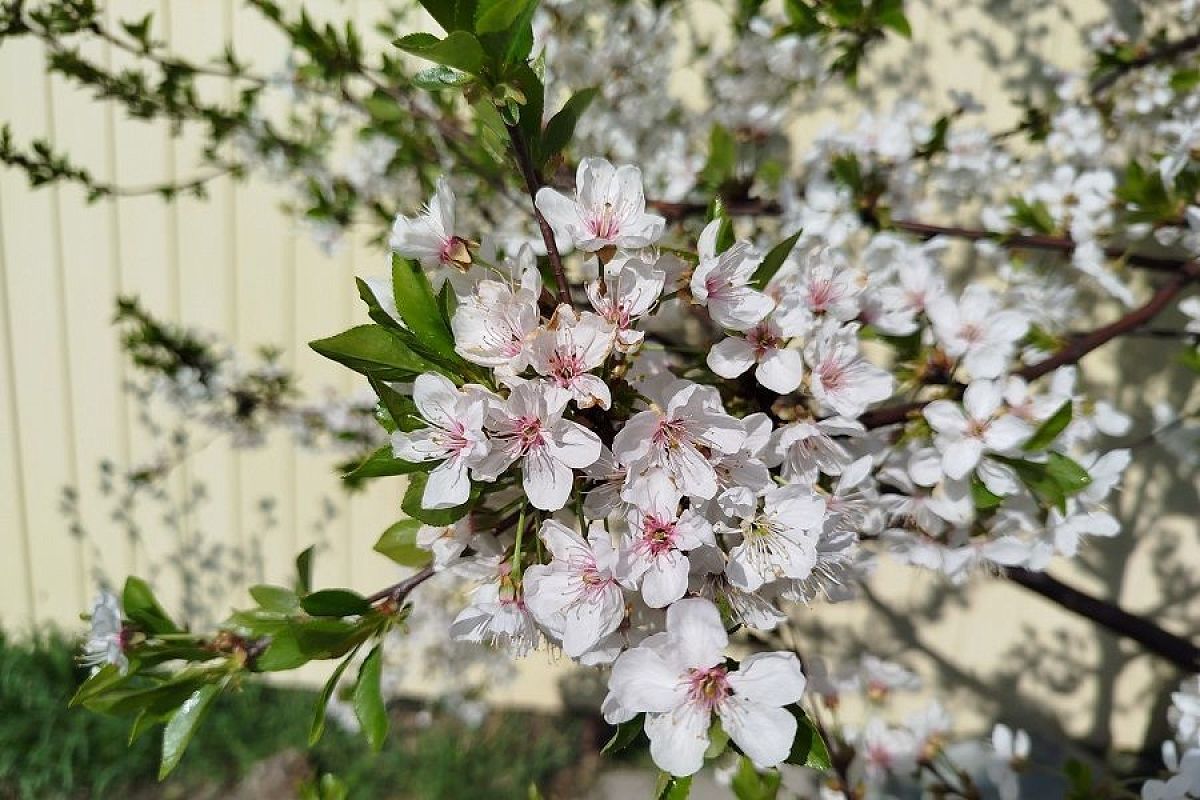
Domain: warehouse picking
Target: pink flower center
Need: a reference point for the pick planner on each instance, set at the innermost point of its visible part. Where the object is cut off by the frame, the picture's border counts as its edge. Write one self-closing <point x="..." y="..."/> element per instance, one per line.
<point x="821" y="295"/>
<point x="833" y="377"/>
<point x="565" y="366"/>
<point x="529" y="433"/>
<point x="605" y="225"/>
<point x="658" y="535"/>
<point x="708" y="688"/>
<point x="455" y="438"/>
<point x="762" y="340"/>
<point x="971" y="333"/>
<point x="669" y="433"/>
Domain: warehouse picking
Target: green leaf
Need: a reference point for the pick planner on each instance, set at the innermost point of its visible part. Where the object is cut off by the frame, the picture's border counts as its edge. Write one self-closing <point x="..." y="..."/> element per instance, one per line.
<point x="561" y="126"/>
<point x="890" y="14"/>
<point x="383" y="108"/>
<point x="107" y="677"/>
<point x="983" y="497"/>
<point x="382" y="463"/>
<point x="374" y="351"/>
<point x="1033" y="215"/>
<point x="420" y="311"/>
<point x="1067" y="473"/>
<point x="494" y="16"/>
<point x="626" y="734"/>
<point x="452" y="15"/>
<point x="182" y="726"/>
<point x="411" y="504"/>
<point x="459" y="49"/>
<point x="750" y="784"/>
<point x="1049" y="430"/>
<point x="671" y="787"/>
<point x="808" y="748"/>
<point x="368" y="699"/>
<point x="721" y="165"/>
<point x="335" y="603"/>
<point x="304" y="570"/>
<point x="774" y="260"/>
<point x="142" y="724"/>
<point x="283" y="653"/>
<point x="140" y="605"/>
<point x="318" y="722"/>
<point x="437" y="78"/>
<point x="275" y="598"/>
<point x="399" y="543"/>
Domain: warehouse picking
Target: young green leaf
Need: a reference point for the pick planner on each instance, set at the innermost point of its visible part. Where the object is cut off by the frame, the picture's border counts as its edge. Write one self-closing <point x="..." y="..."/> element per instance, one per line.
<point x="626" y="734"/>
<point x="368" y="699"/>
<point x="774" y="260"/>
<point x="808" y="748"/>
<point x="140" y="605"/>
<point x="275" y="598"/>
<point x="1067" y="473"/>
<point x="399" y="543"/>
<point x="750" y="784"/>
<point x="1049" y="430"/>
<point x="182" y="726"/>
<point x="374" y="351"/>
<point x="382" y="463"/>
<point x="411" y="504"/>
<point x="335" y="603"/>
<point x="304" y="570"/>
<point x="561" y="126"/>
<point x="420" y="311"/>
<point x="459" y="49"/>
<point x="318" y="722"/>
<point x="671" y="787"/>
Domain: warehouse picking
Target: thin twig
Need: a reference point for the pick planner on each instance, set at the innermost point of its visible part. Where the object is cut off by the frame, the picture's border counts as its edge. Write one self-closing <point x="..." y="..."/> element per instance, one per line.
<point x="398" y="591"/>
<point x="1167" y="52"/>
<point x="533" y="182"/>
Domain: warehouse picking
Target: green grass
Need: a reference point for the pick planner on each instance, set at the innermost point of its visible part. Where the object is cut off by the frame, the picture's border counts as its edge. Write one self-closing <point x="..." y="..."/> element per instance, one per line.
<point x="48" y="751"/>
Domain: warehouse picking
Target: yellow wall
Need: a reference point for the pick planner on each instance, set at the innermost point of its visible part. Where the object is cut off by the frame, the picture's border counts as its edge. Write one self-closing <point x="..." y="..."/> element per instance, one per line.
<point x="236" y="265"/>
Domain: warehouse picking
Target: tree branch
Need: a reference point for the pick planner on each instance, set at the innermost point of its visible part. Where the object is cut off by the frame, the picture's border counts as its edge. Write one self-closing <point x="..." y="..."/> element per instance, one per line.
<point x="1175" y="649"/>
<point x="1166" y="52"/>
<point x="533" y="182"/>
<point x="674" y="212"/>
<point x="1072" y="353"/>
<point x="398" y="591"/>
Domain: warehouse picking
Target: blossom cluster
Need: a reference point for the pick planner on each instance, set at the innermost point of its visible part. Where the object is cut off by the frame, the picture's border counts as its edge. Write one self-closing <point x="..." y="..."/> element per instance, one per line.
<point x="677" y="497"/>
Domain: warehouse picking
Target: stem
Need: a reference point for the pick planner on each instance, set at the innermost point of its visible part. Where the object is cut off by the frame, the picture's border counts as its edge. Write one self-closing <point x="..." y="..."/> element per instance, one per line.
<point x="1175" y="649"/>
<point x="1164" y="53"/>
<point x="516" y="559"/>
<point x="533" y="182"/>
<point x="398" y="591"/>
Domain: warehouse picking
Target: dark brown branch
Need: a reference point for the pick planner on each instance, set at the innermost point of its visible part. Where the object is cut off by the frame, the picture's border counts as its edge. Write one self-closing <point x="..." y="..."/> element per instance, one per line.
<point x="398" y="591"/>
<point x="533" y="182"/>
<point x="1167" y="52"/>
<point x="1175" y="649"/>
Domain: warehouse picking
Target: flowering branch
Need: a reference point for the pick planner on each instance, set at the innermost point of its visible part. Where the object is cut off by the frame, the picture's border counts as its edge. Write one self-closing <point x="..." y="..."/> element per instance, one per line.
<point x="674" y="212"/>
<point x="1072" y="353"/>
<point x="1158" y="55"/>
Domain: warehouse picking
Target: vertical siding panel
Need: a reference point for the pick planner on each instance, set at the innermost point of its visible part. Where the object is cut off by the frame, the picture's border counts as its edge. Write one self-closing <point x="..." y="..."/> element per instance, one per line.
<point x="321" y="310"/>
<point x="36" y="325"/>
<point x="94" y="357"/>
<point x="265" y="317"/>
<point x="378" y="505"/>
<point x="205" y="260"/>
<point x="17" y="606"/>
<point x="145" y="225"/>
